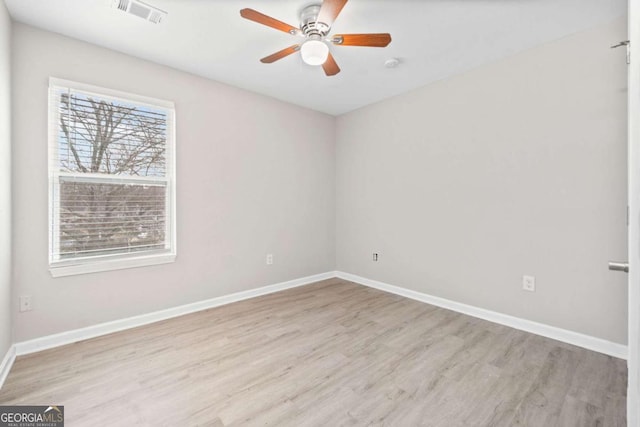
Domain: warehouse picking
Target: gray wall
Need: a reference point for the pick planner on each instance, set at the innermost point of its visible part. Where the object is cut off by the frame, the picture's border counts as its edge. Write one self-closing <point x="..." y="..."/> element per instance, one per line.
<point x="518" y="167"/>
<point x="255" y="176"/>
<point x="5" y="181"/>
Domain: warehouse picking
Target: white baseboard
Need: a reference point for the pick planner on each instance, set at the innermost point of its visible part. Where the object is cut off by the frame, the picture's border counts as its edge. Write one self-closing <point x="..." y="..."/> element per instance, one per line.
<point x="570" y="337"/>
<point x="7" y="363"/>
<point x="69" y="337"/>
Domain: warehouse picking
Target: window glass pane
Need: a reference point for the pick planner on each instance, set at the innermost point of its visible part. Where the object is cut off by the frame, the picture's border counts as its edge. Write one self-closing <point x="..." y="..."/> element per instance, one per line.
<point x="100" y="135"/>
<point x="103" y="219"/>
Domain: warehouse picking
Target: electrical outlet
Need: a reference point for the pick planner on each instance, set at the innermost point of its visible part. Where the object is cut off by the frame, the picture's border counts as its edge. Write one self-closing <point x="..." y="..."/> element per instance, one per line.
<point x="529" y="283"/>
<point x="269" y="259"/>
<point x="25" y="303"/>
<point x="375" y="256"/>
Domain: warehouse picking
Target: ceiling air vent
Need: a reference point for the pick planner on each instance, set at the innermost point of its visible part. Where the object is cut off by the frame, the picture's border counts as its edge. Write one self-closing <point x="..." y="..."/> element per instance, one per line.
<point x="140" y="9"/>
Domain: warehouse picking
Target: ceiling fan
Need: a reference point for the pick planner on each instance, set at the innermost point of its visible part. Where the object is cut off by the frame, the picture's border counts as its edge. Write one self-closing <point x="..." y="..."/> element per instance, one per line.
<point x="315" y="24"/>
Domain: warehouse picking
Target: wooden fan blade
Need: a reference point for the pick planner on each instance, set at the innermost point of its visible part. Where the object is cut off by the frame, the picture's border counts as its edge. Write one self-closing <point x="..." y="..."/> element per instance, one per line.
<point x="330" y="10"/>
<point x="330" y="66"/>
<point x="280" y="54"/>
<point x="370" y="40"/>
<point x="260" y="18"/>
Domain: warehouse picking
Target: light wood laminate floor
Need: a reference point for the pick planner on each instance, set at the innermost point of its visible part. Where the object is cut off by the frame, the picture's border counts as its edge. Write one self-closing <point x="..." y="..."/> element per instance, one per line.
<point x="328" y="354"/>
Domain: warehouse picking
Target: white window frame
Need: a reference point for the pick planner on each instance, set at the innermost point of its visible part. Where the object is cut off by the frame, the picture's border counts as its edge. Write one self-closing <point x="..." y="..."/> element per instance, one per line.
<point x="83" y="265"/>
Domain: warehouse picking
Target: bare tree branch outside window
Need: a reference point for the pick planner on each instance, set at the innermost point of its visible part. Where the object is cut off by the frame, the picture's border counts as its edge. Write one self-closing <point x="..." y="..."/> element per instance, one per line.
<point x="125" y="143"/>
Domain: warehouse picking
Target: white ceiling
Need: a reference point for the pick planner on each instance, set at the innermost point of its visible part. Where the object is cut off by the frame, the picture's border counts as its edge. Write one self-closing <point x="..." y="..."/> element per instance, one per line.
<point x="433" y="39"/>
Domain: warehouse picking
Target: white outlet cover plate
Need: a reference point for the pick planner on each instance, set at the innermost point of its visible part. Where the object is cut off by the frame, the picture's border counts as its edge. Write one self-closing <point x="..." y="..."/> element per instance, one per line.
<point x="529" y="283"/>
<point x="25" y="303"/>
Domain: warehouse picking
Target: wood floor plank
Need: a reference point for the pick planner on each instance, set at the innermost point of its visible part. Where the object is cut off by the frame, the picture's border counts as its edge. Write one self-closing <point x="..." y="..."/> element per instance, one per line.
<point x="332" y="353"/>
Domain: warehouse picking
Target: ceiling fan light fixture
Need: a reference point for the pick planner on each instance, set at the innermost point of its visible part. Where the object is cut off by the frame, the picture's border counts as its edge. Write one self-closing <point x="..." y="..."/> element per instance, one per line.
<point x="315" y="25"/>
<point x="314" y="52"/>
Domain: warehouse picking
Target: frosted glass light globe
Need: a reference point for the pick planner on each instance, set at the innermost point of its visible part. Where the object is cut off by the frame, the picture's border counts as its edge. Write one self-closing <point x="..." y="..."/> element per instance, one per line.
<point x="314" y="52"/>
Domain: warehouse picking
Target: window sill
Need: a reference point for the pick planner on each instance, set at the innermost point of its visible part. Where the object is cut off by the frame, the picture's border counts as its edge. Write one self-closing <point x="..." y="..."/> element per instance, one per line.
<point x="96" y="266"/>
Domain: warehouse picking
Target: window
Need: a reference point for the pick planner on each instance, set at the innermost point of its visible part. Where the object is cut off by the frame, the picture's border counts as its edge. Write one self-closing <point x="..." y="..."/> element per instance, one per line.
<point x="111" y="178"/>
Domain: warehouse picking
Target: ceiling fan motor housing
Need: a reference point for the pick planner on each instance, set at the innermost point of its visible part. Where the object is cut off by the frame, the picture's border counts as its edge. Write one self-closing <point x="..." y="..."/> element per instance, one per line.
<point x="309" y="22"/>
